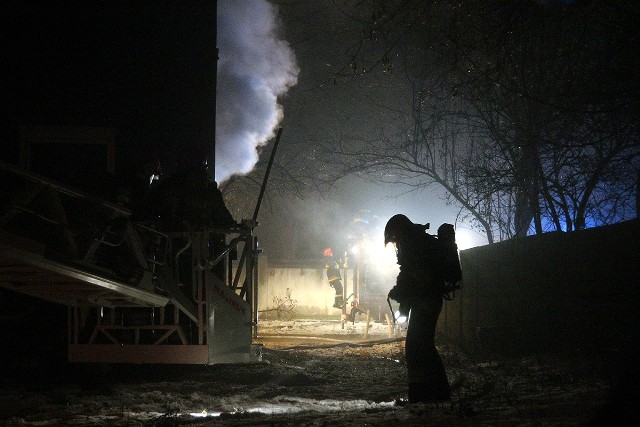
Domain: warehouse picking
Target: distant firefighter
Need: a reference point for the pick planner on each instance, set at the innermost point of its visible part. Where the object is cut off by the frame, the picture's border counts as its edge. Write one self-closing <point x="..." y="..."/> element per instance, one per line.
<point x="334" y="277"/>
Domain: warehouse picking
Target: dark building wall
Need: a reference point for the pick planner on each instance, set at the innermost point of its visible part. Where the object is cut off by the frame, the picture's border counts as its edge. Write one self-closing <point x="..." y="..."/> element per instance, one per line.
<point x="573" y="291"/>
<point x="147" y="70"/>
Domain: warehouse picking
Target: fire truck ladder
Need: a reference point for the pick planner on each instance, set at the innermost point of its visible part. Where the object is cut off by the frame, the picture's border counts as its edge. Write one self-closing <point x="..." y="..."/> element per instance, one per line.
<point x="134" y="294"/>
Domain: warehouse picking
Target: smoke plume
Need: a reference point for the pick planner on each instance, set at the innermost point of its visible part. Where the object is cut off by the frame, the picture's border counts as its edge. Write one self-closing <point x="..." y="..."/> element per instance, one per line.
<point x="255" y="67"/>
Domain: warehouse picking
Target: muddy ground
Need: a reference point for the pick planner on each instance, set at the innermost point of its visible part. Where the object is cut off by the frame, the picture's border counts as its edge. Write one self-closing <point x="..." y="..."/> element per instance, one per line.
<point x="322" y="380"/>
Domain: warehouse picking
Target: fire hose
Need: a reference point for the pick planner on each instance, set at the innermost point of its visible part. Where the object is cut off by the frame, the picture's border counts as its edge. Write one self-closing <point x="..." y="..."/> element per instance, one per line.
<point x="393" y="316"/>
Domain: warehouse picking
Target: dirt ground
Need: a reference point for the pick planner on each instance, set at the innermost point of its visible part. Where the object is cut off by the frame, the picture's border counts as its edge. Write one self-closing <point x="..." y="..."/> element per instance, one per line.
<point x="331" y="378"/>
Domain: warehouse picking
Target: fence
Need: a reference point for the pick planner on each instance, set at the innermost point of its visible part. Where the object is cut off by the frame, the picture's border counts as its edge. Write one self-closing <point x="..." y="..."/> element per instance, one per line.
<point x="555" y="291"/>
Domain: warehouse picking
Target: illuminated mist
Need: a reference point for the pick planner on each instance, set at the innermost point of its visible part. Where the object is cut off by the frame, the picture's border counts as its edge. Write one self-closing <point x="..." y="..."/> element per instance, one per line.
<point x="255" y="67"/>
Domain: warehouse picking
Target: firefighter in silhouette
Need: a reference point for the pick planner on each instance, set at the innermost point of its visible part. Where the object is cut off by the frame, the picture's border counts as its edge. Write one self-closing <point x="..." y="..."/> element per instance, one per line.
<point x="419" y="290"/>
<point x="135" y="185"/>
<point x="334" y="277"/>
<point x="189" y="199"/>
<point x="145" y="176"/>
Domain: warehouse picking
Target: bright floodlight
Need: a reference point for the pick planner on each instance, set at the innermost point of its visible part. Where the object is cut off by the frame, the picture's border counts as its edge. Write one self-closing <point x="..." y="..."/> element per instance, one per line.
<point x="464" y="239"/>
<point x="400" y="318"/>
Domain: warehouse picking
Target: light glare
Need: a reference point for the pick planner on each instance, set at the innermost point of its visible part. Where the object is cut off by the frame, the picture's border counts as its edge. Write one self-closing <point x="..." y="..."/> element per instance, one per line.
<point x="400" y="318"/>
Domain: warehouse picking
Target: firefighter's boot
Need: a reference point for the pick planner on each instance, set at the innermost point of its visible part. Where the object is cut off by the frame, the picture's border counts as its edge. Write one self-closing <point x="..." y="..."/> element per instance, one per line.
<point x="339" y="302"/>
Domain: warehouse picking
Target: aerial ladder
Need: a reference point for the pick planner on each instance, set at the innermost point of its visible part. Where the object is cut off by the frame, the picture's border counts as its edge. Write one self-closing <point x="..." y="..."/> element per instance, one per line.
<point x="134" y="293"/>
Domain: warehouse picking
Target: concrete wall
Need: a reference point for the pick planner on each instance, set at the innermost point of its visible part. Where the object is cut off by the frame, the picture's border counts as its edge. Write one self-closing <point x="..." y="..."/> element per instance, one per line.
<point x="556" y="291"/>
<point x="307" y="283"/>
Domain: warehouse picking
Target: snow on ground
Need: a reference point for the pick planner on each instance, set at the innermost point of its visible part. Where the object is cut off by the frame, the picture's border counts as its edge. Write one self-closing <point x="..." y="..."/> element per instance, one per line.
<point x="336" y="330"/>
<point x="313" y="373"/>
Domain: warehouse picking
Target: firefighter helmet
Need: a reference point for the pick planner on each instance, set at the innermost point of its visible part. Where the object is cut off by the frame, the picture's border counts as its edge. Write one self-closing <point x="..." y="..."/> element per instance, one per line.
<point x="396" y="226"/>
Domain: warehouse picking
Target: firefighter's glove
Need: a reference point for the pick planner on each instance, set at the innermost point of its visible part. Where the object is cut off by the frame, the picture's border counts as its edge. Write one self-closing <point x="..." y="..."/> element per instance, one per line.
<point x="394" y="294"/>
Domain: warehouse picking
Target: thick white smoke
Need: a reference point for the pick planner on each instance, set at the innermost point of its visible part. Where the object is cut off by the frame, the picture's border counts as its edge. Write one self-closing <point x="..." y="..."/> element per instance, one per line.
<point x="254" y="68"/>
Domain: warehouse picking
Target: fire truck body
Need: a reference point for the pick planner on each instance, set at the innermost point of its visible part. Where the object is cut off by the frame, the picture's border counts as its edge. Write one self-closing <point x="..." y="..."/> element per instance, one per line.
<point x="135" y="293"/>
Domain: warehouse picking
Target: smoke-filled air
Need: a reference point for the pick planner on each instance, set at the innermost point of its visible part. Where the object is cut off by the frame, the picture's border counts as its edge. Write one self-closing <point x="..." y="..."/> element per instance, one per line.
<point x="255" y="67"/>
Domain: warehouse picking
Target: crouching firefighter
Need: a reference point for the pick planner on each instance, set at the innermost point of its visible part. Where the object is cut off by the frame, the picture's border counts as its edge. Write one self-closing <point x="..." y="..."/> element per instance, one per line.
<point x="333" y="275"/>
<point x="420" y="287"/>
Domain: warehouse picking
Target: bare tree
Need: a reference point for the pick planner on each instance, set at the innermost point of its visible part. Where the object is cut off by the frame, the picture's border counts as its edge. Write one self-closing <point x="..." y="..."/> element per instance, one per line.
<point x="297" y="170"/>
<point x="513" y="111"/>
